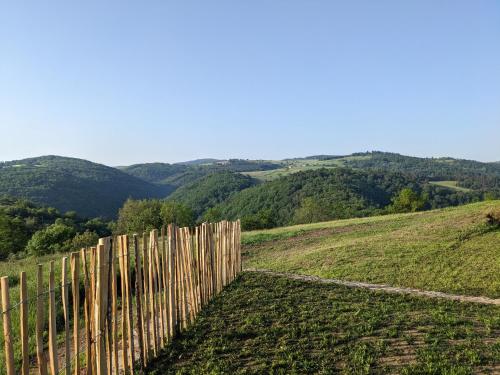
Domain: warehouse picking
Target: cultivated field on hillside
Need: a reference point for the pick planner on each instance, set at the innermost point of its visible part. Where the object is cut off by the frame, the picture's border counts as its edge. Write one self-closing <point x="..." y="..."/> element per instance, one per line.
<point x="451" y="250"/>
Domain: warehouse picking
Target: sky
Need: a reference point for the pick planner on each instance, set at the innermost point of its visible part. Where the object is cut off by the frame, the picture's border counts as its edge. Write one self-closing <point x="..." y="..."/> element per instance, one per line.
<point x="123" y="82"/>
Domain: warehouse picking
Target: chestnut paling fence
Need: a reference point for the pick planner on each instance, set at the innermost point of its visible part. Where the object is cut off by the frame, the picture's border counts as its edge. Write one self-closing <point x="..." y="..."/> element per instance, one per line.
<point x="122" y="301"/>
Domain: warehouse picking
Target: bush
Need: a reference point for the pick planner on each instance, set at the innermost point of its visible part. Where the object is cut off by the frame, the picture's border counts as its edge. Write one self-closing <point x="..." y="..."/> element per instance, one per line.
<point x="493" y="217"/>
<point x="263" y="219"/>
<point x="55" y="238"/>
<point x="137" y="216"/>
<point x="408" y="201"/>
<point x="311" y="211"/>
<point x="13" y="235"/>
<point x="84" y="239"/>
<point x="176" y="213"/>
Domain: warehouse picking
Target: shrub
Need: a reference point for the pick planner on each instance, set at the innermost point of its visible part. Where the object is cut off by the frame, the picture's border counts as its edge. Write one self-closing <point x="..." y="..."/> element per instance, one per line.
<point x="137" y="216"/>
<point x="408" y="201"/>
<point x="493" y="217"/>
<point x="84" y="239"/>
<point x="13" y="235"/>
<point x="263" y="219"/>
<point x="311" y="211"/>
<point x="55" y="238"/>
<point x="176" y="213"/>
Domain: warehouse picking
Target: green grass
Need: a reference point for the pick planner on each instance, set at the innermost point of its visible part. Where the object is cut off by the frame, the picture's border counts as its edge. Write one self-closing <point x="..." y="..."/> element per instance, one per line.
<point x="271" y="325"/>
<point x="29" y="265"/>
<point x="451" y="185"/>
<point x="451" y="250"/>
<point x="300" y="165"/>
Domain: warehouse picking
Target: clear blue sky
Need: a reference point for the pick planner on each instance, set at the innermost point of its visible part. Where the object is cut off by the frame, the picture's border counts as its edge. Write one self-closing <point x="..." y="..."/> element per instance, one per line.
<point x="140" y="81"/>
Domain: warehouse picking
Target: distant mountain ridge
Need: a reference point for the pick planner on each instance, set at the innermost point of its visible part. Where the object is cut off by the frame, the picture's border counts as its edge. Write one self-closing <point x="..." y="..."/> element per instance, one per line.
<point x="93" y="189"/>
<point x="200" y="161"/>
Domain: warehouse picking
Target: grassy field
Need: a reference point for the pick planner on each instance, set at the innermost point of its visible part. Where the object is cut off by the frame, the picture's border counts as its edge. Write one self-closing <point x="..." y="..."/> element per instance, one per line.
<point x="29" y="265"/>
<point x="299" y="165"/>
<point x="450" y="250"/>
<point x="450" y="184"/>
<point x="270" y="325"/>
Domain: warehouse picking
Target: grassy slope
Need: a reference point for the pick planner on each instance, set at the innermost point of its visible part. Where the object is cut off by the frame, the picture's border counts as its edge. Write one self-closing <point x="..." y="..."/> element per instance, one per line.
<point x="449" y="250"/>
<point x="300" y="165"/>
<point x="450" y="184"/>
<point x="262" y="324"/>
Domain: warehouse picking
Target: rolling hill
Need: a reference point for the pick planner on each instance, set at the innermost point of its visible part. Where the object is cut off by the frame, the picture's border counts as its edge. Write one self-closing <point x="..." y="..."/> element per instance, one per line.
<point x="211" y="190"/>
<point x="468" y="173"/>
<point x="93" y="189"/>
<point x="181" y="174"/>
<point x="452" y="250"/>
<point x="158" y="173"/>
<point x="326" y="194"/>
<point x="70" y="184"/>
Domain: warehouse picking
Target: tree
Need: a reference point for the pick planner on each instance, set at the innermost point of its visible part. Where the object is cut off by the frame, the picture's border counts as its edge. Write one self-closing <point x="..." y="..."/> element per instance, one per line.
<point x="176" y="213"/>
<point x="84" y="239"/>
<point x="408" y="201"/>
<point x="311" y="211"/>
<point x="213" y="214"/>
<point x="263" y="219"/>
<point x="13" y="235"/>
<point x="55" y="238"/>
<point x="98" y="226"/>
<point x="137" y="216"/>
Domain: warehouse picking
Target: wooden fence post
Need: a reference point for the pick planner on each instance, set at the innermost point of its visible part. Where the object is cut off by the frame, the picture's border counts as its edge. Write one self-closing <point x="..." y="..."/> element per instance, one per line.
<point x="138" y="302"/>
<point x="40" y="319"/>
<point x="75" y="289"/>
<point x="108" y="316"/>
<point x="164" y="273"/>
<point x="99" y="310"/>
<point x="114" y="309"/>
<point x="157" y="283"/>
<point x="128" y="284"/>
<point x="121" y="253"/>
<point x="172" y="308"/>
<point x="146" y="315"/>
<point x="7" y="326"/>
<point x="54" y="365"/>
<point x="87" y="313"/>
<point x="65" y="303"/>
<point x="23" y="317"/>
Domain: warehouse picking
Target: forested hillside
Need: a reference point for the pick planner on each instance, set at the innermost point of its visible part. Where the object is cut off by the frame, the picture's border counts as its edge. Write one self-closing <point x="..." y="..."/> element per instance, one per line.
<point x="211" y="190"/>
<point x="214" y="188"/>
<point x="468" y="173"/>
<point x="70" y="184"/>
<point x="155" y="172"/>
<point x="181" y="174"/>
<point x="327" y="194"/>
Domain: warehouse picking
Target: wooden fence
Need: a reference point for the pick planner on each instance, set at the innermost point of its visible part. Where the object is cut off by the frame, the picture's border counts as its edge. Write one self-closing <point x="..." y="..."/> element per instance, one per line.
<point x="123" y="301"/>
